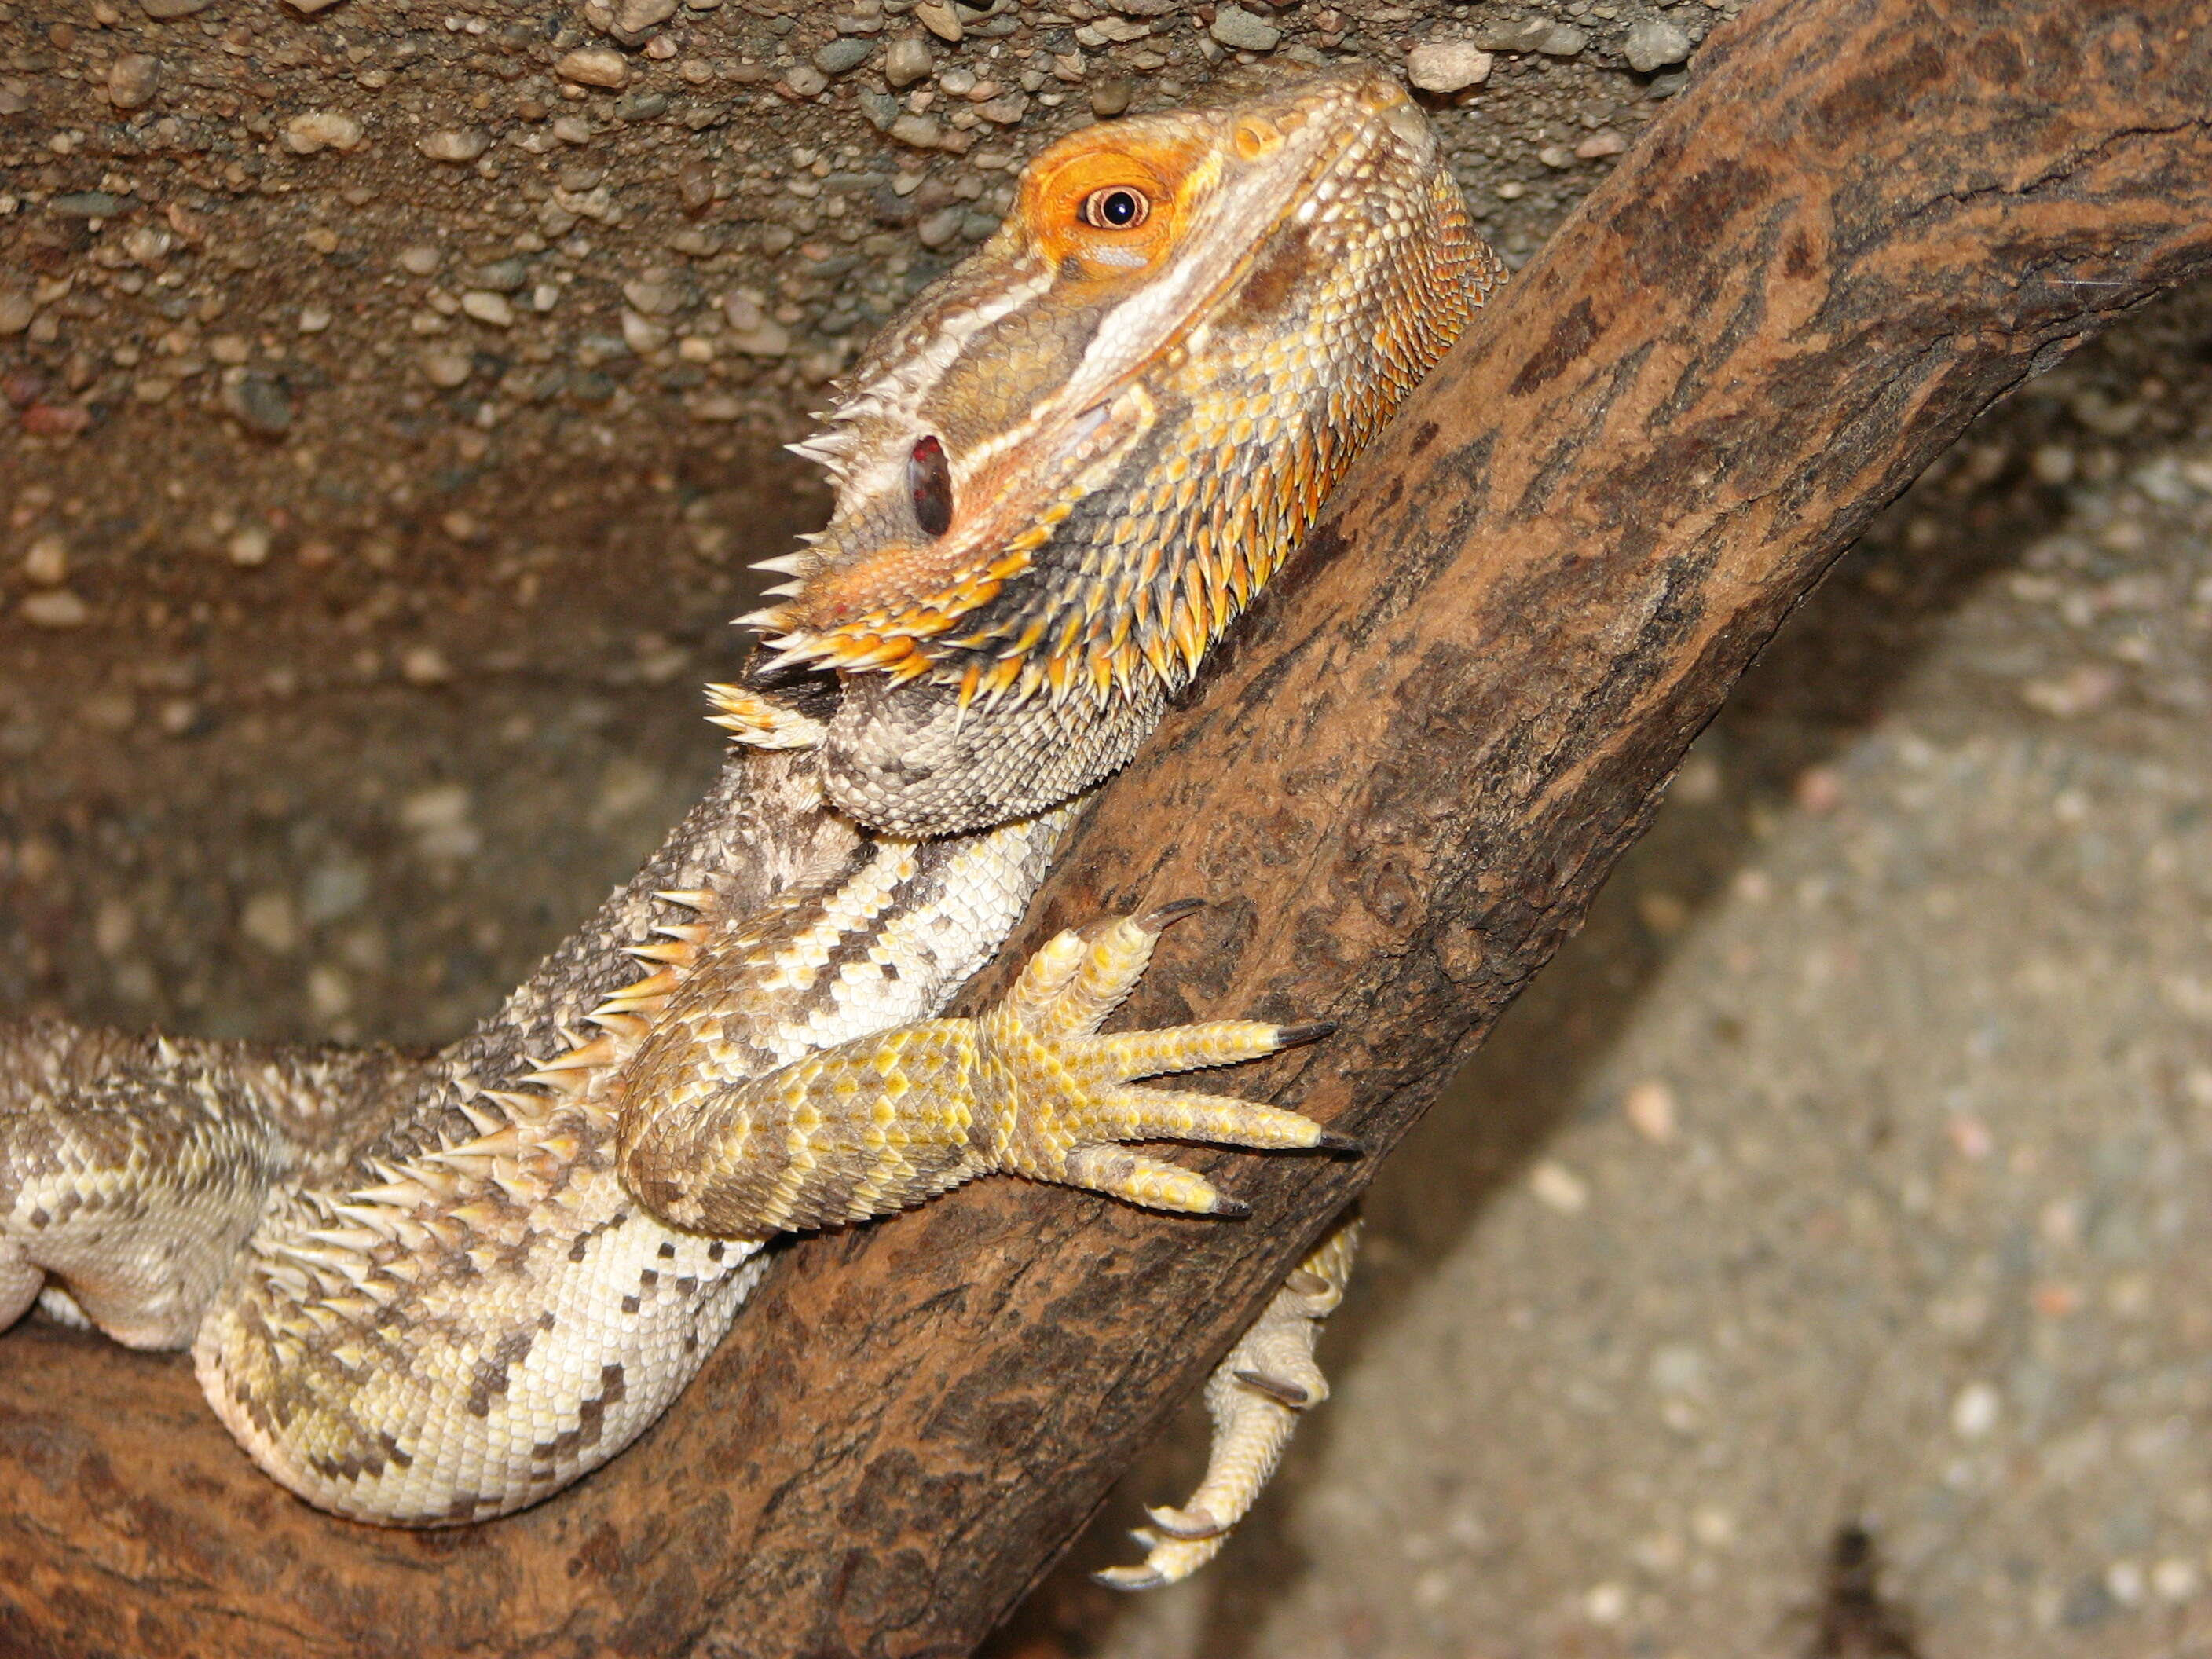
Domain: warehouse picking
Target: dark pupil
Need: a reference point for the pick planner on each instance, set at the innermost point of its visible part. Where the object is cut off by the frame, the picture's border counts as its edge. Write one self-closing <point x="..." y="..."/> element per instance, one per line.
<point x="929" y="480"/>
<point x="1119" y="208"/>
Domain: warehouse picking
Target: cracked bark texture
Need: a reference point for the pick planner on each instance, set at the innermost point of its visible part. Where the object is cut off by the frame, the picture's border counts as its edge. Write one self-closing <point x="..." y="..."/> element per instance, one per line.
<point x="1865" y="221"/>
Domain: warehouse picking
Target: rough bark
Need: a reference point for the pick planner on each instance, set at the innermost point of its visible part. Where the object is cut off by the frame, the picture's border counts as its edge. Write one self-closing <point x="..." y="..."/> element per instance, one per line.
<point x="1867" y="219"/>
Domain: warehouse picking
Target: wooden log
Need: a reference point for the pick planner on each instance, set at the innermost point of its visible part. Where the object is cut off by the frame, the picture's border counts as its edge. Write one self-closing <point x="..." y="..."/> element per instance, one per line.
<point x="1865" y="221"/>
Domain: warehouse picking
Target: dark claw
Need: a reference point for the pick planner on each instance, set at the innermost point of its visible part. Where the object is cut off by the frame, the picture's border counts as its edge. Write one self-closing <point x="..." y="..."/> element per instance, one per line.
<point x="1234" y="1208"/>
<point x="1292" y="1036"/>
<point x="1286" y="1393"/>
<point x="1331" y="1141"/>
<point x="1175" y="910"/>
<point x="1132" y="1578"/>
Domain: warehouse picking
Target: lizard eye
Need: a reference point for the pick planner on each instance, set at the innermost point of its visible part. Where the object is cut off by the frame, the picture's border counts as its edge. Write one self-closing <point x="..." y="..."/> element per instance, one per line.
<point x="929" y="482"/>
<point x="1118" y="207"/>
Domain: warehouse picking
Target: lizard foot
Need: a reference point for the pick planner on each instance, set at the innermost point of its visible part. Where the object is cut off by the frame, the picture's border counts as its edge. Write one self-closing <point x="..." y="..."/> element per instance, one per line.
<point x="883" y="1122"/>
<point x="1256" y="1397"/>
<point x="1062" y="1093"/>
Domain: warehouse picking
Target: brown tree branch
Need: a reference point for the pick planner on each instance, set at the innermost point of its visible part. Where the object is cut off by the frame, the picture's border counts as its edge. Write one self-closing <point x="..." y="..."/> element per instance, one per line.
<point x="1868" y="219"/>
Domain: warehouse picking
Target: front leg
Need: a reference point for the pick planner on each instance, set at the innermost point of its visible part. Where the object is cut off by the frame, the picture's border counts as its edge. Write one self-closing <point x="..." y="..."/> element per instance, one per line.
<point x="883" y="1121"/>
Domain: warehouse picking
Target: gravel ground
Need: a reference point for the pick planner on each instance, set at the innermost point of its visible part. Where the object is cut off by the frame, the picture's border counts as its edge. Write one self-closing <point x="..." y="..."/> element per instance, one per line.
<point x="1842" y="1170"/>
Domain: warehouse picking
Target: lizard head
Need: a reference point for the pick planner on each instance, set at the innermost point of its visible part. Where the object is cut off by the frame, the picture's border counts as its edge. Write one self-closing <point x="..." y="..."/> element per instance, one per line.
<point x="1069" y="464"/>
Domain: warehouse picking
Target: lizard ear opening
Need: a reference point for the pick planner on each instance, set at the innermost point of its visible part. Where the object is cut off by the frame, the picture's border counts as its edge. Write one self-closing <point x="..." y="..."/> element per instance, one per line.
<point x="929" y="483"/>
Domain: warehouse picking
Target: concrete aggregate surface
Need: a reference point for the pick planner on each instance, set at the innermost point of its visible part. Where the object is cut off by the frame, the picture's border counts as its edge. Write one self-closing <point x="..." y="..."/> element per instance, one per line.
<point x="392" y="394"/>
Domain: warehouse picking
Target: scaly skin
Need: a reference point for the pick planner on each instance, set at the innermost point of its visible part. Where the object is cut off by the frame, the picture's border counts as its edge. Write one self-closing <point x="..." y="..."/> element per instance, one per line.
<point x="426" y="1292"/>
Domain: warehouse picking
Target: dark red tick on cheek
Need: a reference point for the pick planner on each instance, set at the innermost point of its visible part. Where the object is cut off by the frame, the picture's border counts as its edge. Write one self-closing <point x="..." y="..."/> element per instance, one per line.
<point x="929" y="481"/>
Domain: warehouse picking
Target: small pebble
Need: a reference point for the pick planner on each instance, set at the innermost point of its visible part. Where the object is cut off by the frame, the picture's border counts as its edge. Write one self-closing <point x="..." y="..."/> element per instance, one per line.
<point x="249" y="546"/>
<point x="455" y="144"/>
<point x="2053" y="463"/>
<point x="1974" y="1411"/>
<point x="1817" y="789"/>
<point x="1654" y="44"/>
<point x="322" y="129"/>
<point x="438" y="818"/>
<point x="162" y="11"/>
<point x="654" y="294"/>
<point x="445" y="369"/>
<point x="1240" y="31"/>
<point x="940" y="19"/>
<point x="1606" y="1604"/>
<point x="56" y="608"/>
<point x="940" y="228"/>
<point x="1111" y="98"/>
<point x="1563" y="40"/>
<point x="768" y="339"/>
<point x="330" y="993"/>
<point x="15" y="312"/>
<point x="489" y="307"/>
<point x="1522" y="34"/>
<point x="46" y="563"/>
<point x="132" y="79"/>
<point x="261" y="405"/>
<point x="420" y="259"/>
<point x="1650" y="1108"/>
<point x="635" y="16"/>
<point x="1444" y="66"/>
<point x="641" y="334"/>
<point x="2175" y="1580"/>
<point x="921" y="131"/>
<point x="424" y="665"/>
<point x="804" y="81"/>
<point x="2080" y="691"/>
<point x="314" y="318"/>
<point x="908" y="60"/>
<point x="269" y="922"/>
<point x="112" y="925"/>
<point x="1559" y="1187"/>
<point x="594" y="66"/>
<point x="1600" y="144"/>
<point x="501" y="276"/>
<point x="844" y="55"/>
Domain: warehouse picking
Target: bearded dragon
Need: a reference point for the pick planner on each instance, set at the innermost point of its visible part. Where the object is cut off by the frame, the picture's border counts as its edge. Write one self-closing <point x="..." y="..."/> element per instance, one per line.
<point x="423" y="1292"/>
